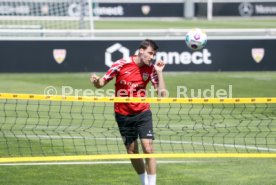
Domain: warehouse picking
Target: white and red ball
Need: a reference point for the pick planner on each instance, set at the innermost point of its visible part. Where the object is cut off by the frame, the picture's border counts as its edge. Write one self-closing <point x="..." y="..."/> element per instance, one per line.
<point x="196" y="39"/>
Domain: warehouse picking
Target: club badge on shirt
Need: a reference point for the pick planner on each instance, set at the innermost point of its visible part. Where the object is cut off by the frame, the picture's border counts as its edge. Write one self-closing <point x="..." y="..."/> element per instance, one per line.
<point x="145" y="76"/>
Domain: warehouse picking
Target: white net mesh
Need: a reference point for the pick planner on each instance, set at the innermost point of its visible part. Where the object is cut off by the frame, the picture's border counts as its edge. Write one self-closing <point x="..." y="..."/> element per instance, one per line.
<point x="45" y="17"/>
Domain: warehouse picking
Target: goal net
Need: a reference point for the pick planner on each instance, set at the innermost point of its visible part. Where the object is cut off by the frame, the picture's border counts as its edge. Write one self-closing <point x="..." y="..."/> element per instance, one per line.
<point x="23" y="18"/>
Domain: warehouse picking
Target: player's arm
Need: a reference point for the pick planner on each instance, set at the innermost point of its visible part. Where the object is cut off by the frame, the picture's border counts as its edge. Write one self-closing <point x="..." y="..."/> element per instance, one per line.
<point x="109" y="75"/>
<point x="97" y="81"/>
<point x="161" y="86"/>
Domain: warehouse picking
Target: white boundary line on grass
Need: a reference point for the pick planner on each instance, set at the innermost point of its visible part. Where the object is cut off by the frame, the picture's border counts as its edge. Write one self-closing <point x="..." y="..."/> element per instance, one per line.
<point x="160" y="141"/>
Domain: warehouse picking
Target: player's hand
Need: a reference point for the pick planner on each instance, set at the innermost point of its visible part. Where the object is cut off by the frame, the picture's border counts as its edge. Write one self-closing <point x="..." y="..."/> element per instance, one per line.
<point x="94" y="78"/>
<point x="159" y="65"/>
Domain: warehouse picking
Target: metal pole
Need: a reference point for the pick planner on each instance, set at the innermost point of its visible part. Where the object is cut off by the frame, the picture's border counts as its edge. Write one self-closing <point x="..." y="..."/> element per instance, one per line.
<point x="189" y="10"/>
<point x="82" y="14"/>
<point x="91" y="16"/>
<point x="210" y="10"/>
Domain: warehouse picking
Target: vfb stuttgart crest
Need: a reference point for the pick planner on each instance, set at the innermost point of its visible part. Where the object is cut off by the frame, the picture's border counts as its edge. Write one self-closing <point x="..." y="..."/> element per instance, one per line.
<point x="145" y="76"/>
<point x="59" y="55"/>
<point x="258" y="54"/>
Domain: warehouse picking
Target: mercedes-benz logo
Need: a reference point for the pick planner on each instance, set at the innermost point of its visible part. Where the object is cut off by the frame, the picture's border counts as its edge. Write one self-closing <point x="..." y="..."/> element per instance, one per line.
<point x="246" y="9"/>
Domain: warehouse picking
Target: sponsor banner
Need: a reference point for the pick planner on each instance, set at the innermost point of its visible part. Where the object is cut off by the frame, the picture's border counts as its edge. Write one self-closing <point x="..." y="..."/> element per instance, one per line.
<point x="139" y="10"/>
<point x="15" y="8"/>
<point x="98" y="56"/>
<point x="81" y="8"/>
<point x="78" y="8"/>
<point x="243" y="9"/>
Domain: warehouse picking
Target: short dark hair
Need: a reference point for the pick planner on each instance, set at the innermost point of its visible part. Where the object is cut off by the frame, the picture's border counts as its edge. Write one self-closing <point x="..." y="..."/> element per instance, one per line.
<point x="146" y="43"/>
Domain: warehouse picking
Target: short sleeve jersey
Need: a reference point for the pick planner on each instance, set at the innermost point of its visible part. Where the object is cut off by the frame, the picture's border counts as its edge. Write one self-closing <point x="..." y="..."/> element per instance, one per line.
<point x="131" y="81"/>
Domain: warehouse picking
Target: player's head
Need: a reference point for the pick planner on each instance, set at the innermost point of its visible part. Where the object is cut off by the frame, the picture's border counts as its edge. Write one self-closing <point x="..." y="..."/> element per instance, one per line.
<point x="147" y="51"/>
<point x="148" y="43"/>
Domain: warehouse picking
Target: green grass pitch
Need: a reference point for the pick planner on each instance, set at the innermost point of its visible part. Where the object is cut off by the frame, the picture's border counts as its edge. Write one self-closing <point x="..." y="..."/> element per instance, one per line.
<point x="186" y="171"/>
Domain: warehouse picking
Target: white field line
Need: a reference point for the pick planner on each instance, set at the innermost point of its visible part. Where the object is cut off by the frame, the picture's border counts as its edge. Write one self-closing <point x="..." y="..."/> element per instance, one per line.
<point x="158" y="141"/>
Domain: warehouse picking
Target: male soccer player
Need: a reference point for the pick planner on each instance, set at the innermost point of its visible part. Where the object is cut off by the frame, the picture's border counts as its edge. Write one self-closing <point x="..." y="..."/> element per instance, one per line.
<point x="135" y="119"/>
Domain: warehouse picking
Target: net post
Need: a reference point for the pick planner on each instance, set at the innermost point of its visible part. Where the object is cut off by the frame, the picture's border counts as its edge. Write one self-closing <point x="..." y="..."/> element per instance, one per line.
<point x="189" y="10"/>
<point x="210" y="10"/>
<point x="91" y="16"/>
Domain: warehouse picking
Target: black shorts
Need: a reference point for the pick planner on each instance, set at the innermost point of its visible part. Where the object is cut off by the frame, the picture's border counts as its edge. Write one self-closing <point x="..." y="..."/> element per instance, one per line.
<point x="132" y="126"/>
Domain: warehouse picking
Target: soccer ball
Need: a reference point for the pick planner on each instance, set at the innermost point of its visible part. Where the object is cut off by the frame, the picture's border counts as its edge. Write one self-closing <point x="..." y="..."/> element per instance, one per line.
<point x="196" y="39"/>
